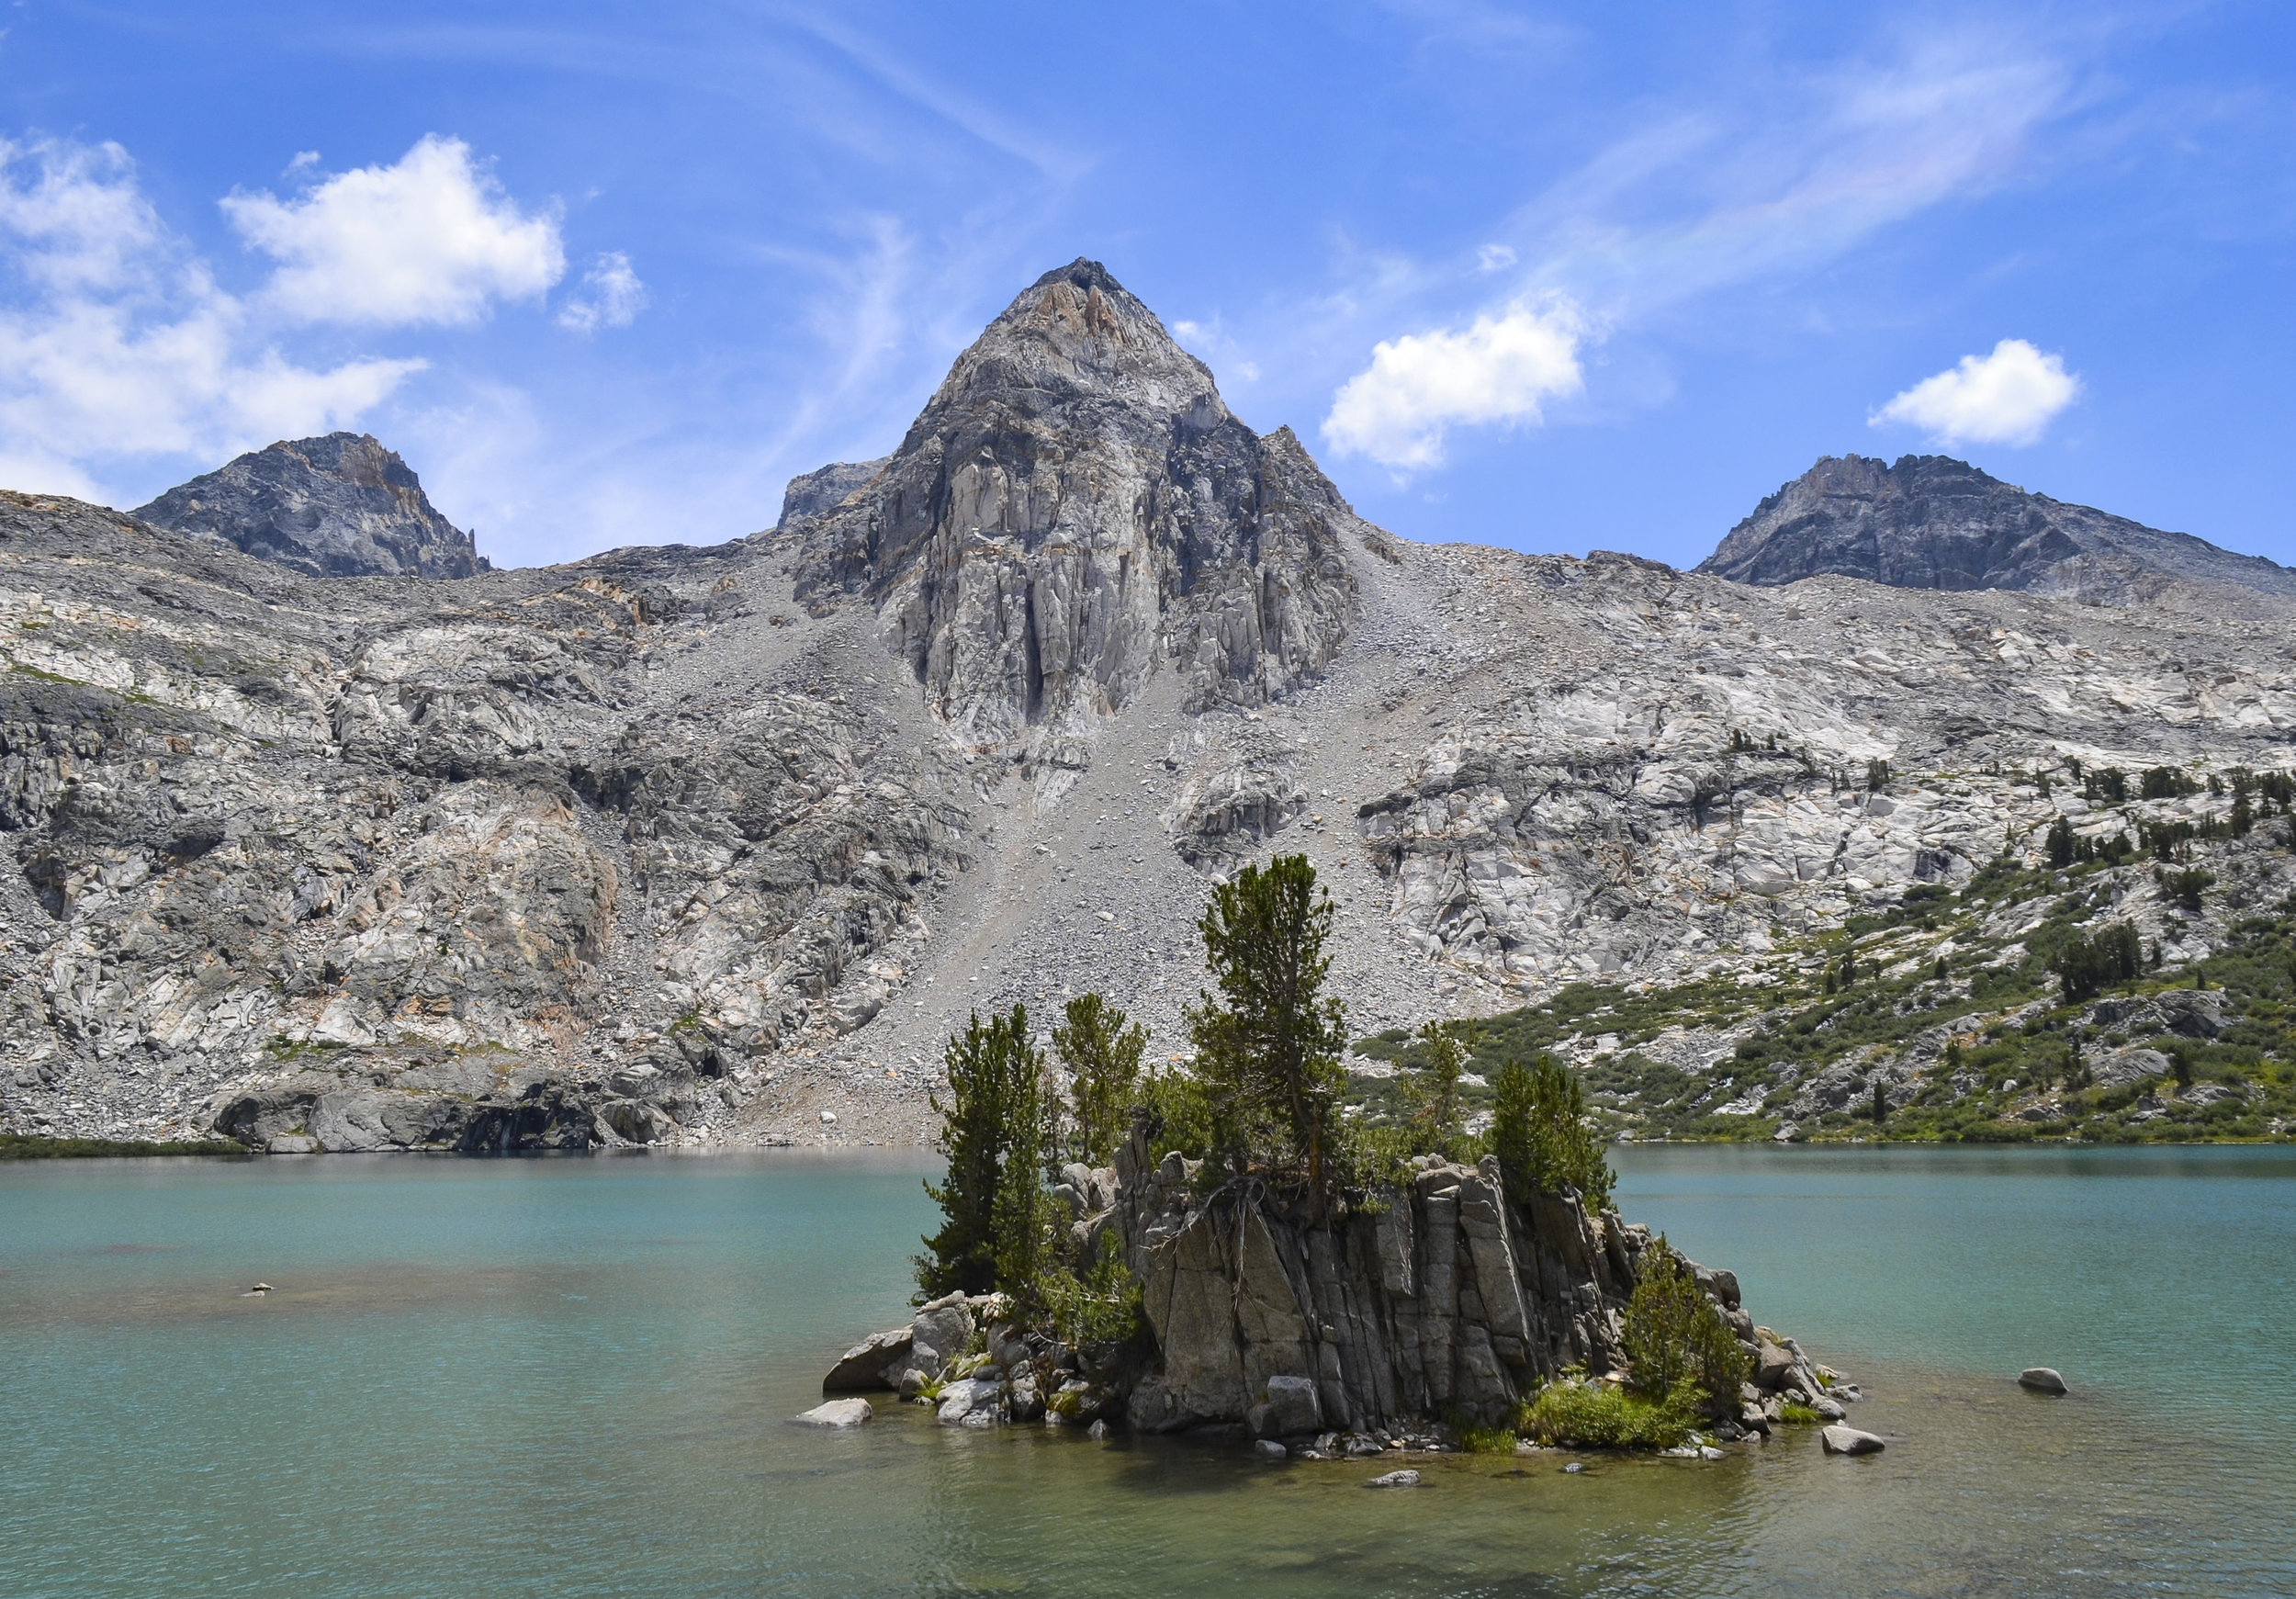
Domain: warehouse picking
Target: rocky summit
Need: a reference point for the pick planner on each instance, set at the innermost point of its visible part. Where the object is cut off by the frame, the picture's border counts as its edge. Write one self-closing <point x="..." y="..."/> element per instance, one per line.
<point x="1931" y="521"/>
<point x="341" y="506"/>
<point x="679" y="844"/>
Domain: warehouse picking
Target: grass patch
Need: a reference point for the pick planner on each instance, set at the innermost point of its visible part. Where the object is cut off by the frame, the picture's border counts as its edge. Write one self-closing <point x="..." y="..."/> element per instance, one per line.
<point x="1799" y="1415"/>
<point x="22" y="1146"/>
<point x="1597" y="1415"/>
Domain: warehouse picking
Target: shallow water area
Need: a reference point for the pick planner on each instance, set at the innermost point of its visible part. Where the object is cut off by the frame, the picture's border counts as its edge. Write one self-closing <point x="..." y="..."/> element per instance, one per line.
<point x="573" y="1377"/>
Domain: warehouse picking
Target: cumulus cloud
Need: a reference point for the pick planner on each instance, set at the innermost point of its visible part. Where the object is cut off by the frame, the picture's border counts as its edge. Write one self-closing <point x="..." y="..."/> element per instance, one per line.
<point x="2006" y="397"/>
<point x="611" y="296"/>
<point x="114" y="341"/>
<point x="1498" y="370"/>
<point x="430" y="239"/>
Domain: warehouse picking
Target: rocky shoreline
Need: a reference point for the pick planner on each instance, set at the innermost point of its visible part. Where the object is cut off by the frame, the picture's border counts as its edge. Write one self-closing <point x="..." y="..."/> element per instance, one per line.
<point x="1423" y="1320"/>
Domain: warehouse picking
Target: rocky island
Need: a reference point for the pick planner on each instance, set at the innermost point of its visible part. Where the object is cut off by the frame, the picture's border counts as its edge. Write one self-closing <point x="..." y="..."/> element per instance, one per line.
<point x="1316" y="1284"/>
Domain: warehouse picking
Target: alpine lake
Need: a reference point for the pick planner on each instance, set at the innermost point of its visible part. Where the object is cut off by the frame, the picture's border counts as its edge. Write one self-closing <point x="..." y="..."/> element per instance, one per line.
<point x="574" y="1377"/>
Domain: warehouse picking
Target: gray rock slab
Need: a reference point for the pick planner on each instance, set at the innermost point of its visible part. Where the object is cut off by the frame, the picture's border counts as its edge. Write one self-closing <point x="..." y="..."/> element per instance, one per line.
<point x="837" y="1412"/>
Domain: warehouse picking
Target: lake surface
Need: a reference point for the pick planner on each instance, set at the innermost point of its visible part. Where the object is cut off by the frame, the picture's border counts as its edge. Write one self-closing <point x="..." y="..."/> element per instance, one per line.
<point x="572" y="1377"/>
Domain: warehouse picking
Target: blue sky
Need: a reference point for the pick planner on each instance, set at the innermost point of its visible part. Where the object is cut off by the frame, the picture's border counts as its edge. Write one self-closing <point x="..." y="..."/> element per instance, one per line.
<point x="1556" y="277"/>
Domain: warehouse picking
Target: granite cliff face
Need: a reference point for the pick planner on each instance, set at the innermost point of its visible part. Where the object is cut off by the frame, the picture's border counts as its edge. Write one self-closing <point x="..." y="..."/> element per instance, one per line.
<point x="1075" y="509"/>
<point x="341" y="506"/>
<point x="1929" y="522"/>
<point x="682" y="844"/>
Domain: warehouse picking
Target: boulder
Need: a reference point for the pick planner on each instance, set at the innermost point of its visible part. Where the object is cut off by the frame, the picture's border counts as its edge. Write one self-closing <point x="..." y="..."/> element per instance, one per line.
<point x="1395" y="1479"/>
<point x="939" y="1332"/>
<point x="877" y="1361"/>
<point x="974" y="1396"/>
<point x="1842" y="1440"/>
<point x="837" y="1412"/>
<point x="1287" y="1408"/>
<point x="1773" y="1365"/>
<point x="1269" y="1450"/>
<point x="2041" y="1380"/>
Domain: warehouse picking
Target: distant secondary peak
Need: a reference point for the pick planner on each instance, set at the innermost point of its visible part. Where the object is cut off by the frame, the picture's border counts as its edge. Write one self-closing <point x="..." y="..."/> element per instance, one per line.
<point x="340" y="505"/>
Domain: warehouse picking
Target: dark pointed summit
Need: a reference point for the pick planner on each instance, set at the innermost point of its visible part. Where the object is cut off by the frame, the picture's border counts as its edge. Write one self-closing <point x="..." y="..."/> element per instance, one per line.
<point x="1074" y="507"/>
<point x="1929" y="522"/>
<point x="337" y="506"/>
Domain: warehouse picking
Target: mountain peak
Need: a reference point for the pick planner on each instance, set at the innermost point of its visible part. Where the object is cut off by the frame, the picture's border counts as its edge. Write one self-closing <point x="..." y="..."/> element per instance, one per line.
<point x="339" y="505"/>
<point x="1932" y="522"/>
<point x="1076" y="506"/>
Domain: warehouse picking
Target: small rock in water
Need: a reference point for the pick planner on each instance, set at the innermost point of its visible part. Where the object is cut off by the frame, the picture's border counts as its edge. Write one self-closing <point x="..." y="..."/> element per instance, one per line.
<point x="1395" y="1479"/>
<point x="829" y="1117"/>
<point x="1097" y="1432"/>
<point x="1269" y="1450"/>
<point x="1708" y="1452"/>
<point x="1841" y="1440"/>
<point x="837" y="1412"/>
<point x="2041" y="1380"/>
<point x="1575" y="1467"/>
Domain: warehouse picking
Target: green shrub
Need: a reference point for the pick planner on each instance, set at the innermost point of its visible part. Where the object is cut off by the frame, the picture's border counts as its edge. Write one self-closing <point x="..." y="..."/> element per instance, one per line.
<point x="1102" y="1306"/>
<point x="1601" y="1416"/>
<point x="1675" y="1338"/>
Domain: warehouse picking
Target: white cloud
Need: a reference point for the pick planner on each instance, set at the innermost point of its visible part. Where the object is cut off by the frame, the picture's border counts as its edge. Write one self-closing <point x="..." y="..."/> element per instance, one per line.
<point x="115" y="342"/>
<point x="1499" y="369"/>
<point x="613" y="296"/>
<point x="2006" y="397"/>
<point x="1494" y="257"/>
<point x="433" y="240"/>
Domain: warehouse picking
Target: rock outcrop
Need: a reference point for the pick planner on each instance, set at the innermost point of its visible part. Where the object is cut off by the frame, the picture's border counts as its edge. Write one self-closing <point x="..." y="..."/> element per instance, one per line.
<point x="1450" y="1300"/>
<point x="1931" y="521"/>
<point x="1076" y="507"/>
<point x="338" y="506"/>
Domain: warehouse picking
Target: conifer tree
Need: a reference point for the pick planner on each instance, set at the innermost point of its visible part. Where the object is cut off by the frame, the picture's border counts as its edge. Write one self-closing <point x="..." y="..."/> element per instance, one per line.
<point x="1540" y="1135"/>
<point x="993" y="1134"/>
<point x="1102" y="1054"/>
<point x="1432" y="1097"/>
<point x="1268" y="1043"/>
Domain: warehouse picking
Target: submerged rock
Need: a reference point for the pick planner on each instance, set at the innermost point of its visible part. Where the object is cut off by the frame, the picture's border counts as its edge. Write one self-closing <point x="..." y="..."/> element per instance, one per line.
<point x="2041" y="1380"/>
<point x="1395" y="1479"/>
<point x="837" y="1412"/>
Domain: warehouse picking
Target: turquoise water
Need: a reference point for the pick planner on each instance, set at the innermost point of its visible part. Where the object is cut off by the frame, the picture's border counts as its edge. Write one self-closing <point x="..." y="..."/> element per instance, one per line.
<point x="571" y="1376"/>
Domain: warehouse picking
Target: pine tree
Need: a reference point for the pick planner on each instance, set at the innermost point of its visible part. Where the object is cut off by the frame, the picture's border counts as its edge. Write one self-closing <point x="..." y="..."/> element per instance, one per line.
<point x="1103" y="1055"/>
<point x="1268" y="1045"/>
<point x="1432" y="1097"/>
<point x="2061" y="844"/>
<point x="1539" y="1132"/>
<point x="992" y="1133"/>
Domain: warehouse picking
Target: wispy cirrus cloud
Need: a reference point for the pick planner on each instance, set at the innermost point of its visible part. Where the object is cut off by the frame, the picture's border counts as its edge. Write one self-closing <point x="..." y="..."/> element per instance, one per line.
<point x="1703" y="199"/>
